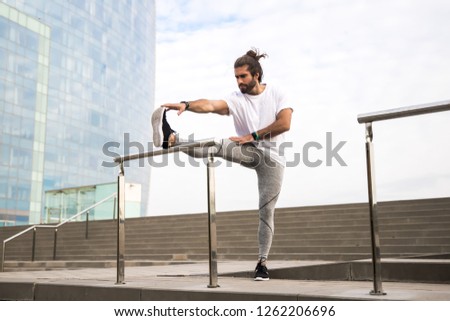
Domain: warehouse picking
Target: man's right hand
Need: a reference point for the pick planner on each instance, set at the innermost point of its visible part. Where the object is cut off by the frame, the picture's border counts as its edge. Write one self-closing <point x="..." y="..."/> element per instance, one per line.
<point x="181" y="107"/>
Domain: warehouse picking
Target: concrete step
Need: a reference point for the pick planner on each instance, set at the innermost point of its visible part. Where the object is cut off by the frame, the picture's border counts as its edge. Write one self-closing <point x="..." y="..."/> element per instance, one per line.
<point x="392" y="270"/>
<point x="410" y="237"/>
<point x="97" y="229"/>
<point x="279" y="240"/>
<point x="412" y="230"/>
<point x="187" y="223"/>
<point x="184" y="258"/>
<point x="62" y="265"/>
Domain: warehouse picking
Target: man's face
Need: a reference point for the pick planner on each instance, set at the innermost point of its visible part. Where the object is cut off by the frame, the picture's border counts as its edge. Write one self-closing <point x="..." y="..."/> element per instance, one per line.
<point x="244" y="79"/>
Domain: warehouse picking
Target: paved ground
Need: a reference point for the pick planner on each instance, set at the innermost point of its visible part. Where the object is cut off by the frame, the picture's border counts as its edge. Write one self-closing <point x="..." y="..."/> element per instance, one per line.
<point x="190" y="282"/>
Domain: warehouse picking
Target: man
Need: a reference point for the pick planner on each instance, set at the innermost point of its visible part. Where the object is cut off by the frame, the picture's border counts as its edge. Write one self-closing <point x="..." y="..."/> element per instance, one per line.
<point x="261" y="115"/>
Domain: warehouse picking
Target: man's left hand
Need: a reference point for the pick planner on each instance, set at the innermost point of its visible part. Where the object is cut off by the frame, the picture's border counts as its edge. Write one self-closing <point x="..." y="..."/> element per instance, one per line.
<point x="240" y="140"/>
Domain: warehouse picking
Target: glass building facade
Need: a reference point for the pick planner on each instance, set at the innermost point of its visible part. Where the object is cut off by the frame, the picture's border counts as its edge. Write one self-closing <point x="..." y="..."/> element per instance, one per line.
<point x="75" y="75"/>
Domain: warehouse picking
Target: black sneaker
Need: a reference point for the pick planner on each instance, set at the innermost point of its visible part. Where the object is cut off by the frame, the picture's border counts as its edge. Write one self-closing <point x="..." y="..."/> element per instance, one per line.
<point x="161" y="128"/>
<point x="261" y="273"/>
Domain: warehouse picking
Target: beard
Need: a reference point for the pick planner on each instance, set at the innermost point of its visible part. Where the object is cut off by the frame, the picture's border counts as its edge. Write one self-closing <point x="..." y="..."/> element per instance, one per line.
<point x="245" y="89"/>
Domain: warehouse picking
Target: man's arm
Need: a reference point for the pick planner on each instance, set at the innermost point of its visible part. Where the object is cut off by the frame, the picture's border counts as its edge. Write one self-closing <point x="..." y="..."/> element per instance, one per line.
<point x="281" y="124"/>
<point x="201" y="106"/>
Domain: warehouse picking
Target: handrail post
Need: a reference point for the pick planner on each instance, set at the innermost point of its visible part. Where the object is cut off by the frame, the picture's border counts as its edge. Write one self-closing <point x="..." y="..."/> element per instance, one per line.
<point x="368" y="119"/>
<point x="212" y="234"/>
<point x="373" y="209"/>
<point x="87" y="225"/>
<point x="121" y="225"/>
<point x="54" y="243"/>
<point x="3" y="256"/>
<point x="33" y="249"/>
<point x="114" y="207"/>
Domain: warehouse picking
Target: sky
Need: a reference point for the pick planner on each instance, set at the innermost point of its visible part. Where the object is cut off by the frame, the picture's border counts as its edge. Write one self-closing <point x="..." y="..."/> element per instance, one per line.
<point x="335" y="59"/>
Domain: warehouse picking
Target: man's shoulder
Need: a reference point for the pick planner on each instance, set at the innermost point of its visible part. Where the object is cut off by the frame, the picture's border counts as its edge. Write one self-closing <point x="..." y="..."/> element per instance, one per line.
<point x="274" y="88"/>
<point x="236" y="94"/>
<point x="235" y="97"/>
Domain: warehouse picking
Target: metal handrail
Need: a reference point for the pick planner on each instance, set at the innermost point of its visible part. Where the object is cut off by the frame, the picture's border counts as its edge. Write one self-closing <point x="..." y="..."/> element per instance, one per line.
<point x="175" y="149"/>
<point x="86" y="210"/>
<point x="54" y="226"/>
<point x="212" y="236"/>
<point x="405" y="112"/>
<point x="367" y="119"/>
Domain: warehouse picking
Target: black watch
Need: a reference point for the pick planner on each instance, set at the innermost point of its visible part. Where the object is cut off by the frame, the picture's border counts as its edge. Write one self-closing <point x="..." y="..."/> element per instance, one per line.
<point x="186" y="103"/>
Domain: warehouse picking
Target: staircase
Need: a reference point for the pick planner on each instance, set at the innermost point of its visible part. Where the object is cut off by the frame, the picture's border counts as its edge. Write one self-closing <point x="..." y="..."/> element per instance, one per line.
<point x="413" y="228"/>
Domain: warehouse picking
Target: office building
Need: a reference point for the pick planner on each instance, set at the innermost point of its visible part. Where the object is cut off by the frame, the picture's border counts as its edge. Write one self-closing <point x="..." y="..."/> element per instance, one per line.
<point x="75" y="76"/>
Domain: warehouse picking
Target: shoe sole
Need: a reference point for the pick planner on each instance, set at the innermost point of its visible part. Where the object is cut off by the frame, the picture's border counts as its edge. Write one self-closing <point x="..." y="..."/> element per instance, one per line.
<point x="261" y="279"/>
<point x="157" y="117"/>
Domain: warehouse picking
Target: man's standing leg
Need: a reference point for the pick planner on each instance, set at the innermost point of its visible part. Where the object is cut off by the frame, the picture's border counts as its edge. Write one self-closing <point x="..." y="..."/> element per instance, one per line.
<point x="270" y="179"/>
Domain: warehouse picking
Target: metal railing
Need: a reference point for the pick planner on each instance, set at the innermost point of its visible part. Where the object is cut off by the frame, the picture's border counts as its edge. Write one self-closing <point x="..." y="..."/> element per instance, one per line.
<point x="212" y="235"/>
<point x="367" y="119"/>
<point x="55" y="227"/>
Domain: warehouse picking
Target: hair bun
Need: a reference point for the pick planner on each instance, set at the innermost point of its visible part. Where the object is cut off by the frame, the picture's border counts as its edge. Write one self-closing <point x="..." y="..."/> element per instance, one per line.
<point x="254" y="53"/>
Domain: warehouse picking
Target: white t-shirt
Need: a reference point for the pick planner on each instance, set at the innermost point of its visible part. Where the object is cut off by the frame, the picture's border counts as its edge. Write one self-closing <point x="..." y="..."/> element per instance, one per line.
<point x="254" y="112"/>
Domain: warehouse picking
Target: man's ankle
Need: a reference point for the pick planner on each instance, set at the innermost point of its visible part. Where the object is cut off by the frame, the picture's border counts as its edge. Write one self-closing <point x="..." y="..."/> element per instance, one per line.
<point x="172" y="140"/>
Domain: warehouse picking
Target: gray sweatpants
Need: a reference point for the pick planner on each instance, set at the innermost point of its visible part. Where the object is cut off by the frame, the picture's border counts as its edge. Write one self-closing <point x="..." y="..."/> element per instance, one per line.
<point x="270" y="178"/>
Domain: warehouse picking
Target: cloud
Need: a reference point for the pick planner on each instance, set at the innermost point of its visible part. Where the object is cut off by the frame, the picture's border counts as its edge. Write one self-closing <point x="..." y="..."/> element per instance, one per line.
<point x="336" y="59"/>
